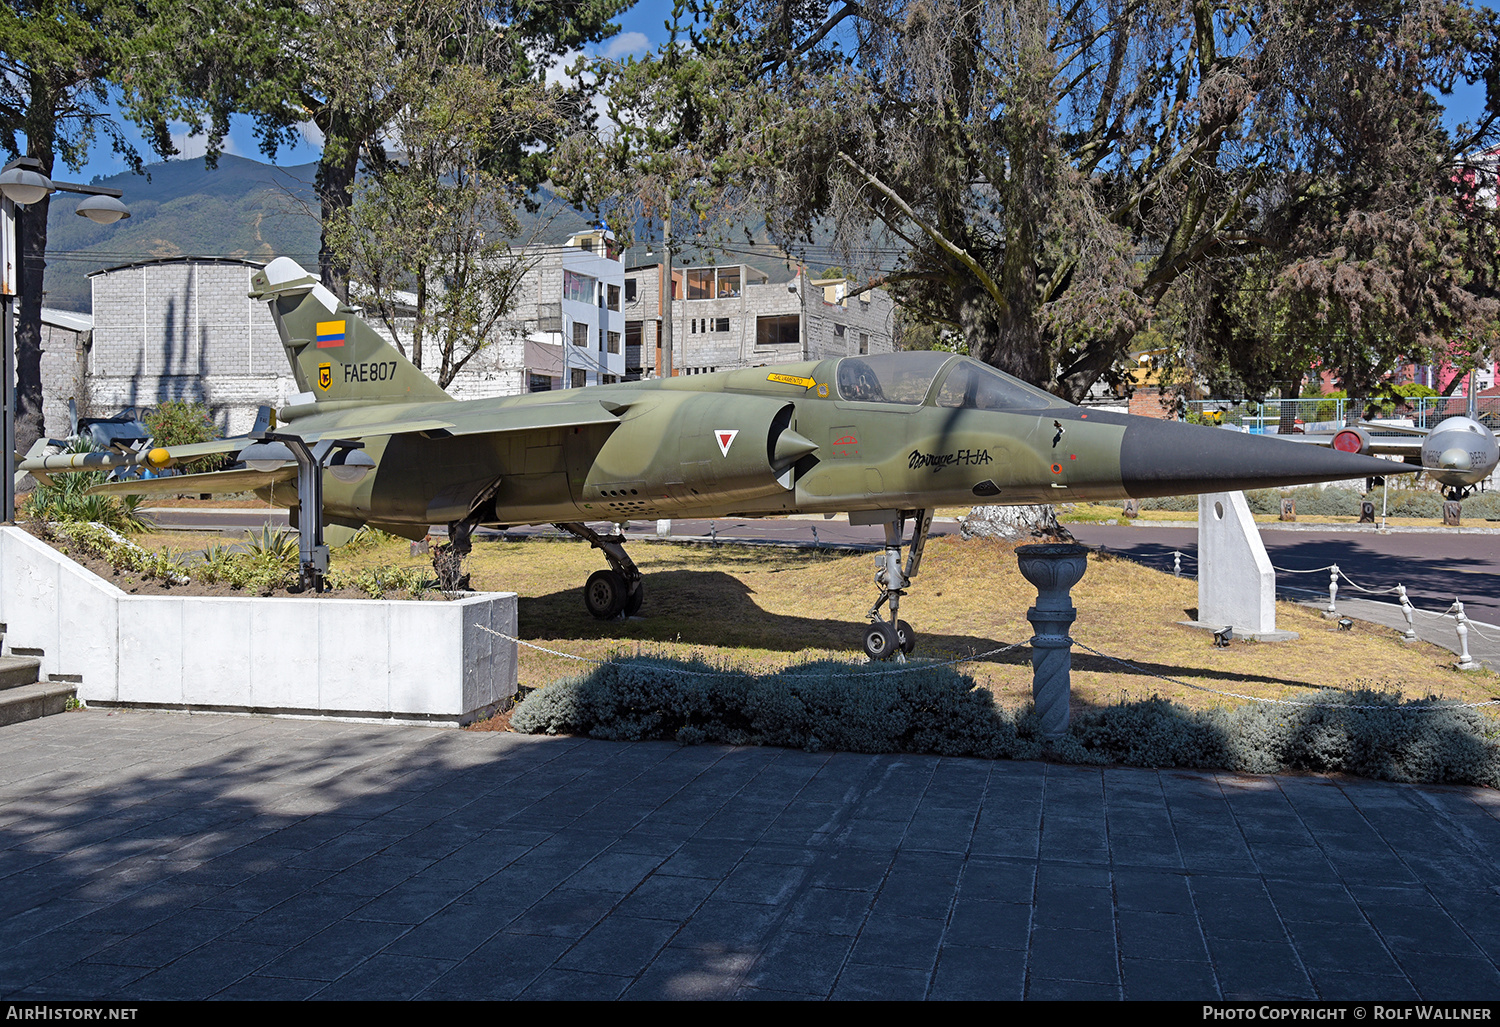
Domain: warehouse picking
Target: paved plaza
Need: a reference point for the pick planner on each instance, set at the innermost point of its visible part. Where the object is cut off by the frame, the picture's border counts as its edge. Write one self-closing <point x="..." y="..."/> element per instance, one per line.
<point x="168" y="856"/>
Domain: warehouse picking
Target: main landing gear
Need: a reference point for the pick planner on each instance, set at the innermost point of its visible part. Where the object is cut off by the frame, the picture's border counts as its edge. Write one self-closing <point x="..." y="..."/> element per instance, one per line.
<point x="890" y="637"/>
<point x="607" y="594"/>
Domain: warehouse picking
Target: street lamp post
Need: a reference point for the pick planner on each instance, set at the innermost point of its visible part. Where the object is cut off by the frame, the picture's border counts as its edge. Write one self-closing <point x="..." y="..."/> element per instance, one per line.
<point x="23" y="182"/>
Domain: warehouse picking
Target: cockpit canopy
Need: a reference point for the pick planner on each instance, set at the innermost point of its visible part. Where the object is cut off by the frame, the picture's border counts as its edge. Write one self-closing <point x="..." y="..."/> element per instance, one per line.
<point x="906" y="378"/>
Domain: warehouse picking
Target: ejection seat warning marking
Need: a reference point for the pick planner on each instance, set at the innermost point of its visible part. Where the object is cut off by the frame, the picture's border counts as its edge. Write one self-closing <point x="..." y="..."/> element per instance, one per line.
<point x="325" y="376"/>
<point x="725" y="438"/>
<point x="791" y="379"/>
<point x="331" y="333"/>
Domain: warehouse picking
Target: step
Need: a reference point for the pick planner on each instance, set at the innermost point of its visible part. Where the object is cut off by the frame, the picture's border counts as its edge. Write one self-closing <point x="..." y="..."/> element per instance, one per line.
<point x="28" y="702"/>
<point x="18" y="670"/>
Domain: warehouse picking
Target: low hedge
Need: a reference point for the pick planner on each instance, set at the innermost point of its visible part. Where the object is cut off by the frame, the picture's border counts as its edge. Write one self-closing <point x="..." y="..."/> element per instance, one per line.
<point x="939" y="711"/>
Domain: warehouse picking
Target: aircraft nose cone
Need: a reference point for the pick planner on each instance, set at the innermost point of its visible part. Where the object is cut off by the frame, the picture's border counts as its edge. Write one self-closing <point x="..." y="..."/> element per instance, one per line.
<point x="1455" y="459"/>
<point x="1167" y="458"/>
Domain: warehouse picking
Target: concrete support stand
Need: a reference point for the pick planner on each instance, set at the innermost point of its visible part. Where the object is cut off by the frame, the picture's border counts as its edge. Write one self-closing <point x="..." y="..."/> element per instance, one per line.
<point x="1236" y="583"/>
<point x="1054" y="569"/>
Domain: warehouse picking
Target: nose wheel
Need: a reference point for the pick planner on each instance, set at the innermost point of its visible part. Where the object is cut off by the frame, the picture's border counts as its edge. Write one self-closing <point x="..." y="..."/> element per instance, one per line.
<point x="889" y="637"/>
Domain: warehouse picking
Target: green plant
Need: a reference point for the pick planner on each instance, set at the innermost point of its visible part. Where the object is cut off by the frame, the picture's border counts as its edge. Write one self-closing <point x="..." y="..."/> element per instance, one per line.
<point x="272" y="547"/>
<point x="73" y="703"/>
<point x="1370" y="731"/>
<point x="177" y="423"/>
<point x="66" y="498"/>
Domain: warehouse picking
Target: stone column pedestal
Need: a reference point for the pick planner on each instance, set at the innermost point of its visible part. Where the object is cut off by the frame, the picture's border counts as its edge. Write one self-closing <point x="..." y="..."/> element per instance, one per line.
<point x="1054" y="569"/>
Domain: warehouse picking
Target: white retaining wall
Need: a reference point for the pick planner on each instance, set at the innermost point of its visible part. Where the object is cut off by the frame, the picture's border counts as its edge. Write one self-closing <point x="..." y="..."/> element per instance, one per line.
<point x="366" y="659"/>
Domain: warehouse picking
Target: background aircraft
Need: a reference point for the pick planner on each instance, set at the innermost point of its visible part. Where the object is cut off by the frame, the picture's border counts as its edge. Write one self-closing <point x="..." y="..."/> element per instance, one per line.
<point x="1459" y="452"/>
<point x="885" y="438"/>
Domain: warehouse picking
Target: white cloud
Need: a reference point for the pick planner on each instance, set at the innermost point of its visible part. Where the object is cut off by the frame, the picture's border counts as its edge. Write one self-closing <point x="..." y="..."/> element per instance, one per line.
<point x="192" y="146"/>
<point x="626" y="44"/>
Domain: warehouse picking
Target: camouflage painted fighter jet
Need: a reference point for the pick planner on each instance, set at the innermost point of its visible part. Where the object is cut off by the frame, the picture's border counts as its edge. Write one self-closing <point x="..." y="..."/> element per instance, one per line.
<point x="884" y="438"/>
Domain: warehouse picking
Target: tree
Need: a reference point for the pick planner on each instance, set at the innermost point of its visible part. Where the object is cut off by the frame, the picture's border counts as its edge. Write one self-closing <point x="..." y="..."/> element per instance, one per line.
<point x="429" y="237"/>
<point x="1044" y="176"/>
<point x="351" y="67"/>
<point x="61" y="62"/>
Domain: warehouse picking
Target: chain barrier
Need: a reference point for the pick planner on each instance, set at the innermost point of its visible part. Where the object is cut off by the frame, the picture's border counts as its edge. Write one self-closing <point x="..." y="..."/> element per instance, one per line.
<point x="1338" y="573"/>
<point x="1284" y="702"/>
<point x="1017" y="645"/>
<point x="709" y="673"/>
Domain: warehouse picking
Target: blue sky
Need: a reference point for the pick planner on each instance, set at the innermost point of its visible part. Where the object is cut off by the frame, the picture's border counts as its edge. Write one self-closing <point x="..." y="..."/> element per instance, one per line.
<point x="642" y="28"/>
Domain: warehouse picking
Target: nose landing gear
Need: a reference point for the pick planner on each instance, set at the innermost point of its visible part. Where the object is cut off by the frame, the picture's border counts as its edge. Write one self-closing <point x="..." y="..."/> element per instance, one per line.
<point x="890" y="637"/>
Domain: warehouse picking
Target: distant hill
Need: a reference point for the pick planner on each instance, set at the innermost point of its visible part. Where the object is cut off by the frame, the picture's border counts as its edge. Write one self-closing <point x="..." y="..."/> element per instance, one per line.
<point x="243" y="208"/>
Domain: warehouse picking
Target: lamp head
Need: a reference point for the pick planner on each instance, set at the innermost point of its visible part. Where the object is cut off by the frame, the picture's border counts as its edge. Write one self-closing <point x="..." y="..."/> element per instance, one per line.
<point x="22" y="181"/>
<point x="103" y="210"/>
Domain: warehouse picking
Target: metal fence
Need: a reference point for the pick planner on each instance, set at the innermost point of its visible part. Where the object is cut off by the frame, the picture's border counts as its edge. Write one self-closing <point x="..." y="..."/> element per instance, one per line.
<point x="1275" y="416"/>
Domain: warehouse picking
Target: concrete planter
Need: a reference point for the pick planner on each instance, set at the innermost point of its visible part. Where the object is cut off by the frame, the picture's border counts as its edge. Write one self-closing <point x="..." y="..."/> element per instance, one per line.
<point x="425" y="662"/>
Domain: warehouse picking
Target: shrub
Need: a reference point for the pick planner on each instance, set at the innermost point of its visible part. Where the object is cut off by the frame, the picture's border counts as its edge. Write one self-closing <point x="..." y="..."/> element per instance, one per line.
<point x="824" y="705"/>
<point x="178" y="423"/>
<point x="1370" y="732"/>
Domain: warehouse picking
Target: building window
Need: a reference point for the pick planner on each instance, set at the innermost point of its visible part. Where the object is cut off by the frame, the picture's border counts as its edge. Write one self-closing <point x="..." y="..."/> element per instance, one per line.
<point x="721" y="324"/>
<point x="614" y="342"/>
<point x="580" y="378"/>
<point x="539" y="383"/>
<point x="700" y="283"/>
<point x="780" y="330"/>
<point x="630" y="290"/>
<point x="609" y="379"/>
<point x="578" y="287"/>
<point x="729" y="281"/>
<point x="614" y="297"/>
<point x="864" y="342"/>
<point x="580" y="334"/>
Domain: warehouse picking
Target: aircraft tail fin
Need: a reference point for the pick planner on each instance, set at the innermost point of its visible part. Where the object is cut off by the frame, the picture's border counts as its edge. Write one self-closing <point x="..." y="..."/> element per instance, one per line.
<point x="334" y="354"/>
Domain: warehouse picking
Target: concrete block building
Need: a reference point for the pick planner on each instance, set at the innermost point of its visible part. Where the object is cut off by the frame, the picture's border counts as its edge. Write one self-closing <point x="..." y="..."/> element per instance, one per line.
<point x="184" y="328"/>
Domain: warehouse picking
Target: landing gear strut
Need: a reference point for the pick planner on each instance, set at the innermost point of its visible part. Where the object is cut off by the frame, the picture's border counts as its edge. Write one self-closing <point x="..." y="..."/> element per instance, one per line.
<point x="888" y="637"/>
<point x="617" y="590"/>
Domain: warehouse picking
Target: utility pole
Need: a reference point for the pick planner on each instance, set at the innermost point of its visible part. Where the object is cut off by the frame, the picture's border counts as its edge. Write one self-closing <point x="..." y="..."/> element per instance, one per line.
<point x="666" y="302"/>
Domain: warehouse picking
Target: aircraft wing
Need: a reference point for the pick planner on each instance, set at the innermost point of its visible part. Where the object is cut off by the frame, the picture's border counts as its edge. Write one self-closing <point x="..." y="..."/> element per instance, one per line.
<point x="1379" y="445"/>
<point x="209" y="481"/>
<point x="489" y="422"/>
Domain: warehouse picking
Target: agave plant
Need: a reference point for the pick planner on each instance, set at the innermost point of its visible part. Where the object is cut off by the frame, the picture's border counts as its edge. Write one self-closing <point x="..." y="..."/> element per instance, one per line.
<point x="65" y="499"/>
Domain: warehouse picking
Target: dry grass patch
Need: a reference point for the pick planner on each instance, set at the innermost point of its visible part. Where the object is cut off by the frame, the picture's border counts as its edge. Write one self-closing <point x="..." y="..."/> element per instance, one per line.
<point x="763" y="608"/>
<point x="766" y="607"/>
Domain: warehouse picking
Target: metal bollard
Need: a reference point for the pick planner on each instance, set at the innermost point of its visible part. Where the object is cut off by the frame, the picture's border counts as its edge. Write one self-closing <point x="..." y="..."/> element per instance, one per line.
<point x="1054" y="569"/>
<point x="1410" y="635"/>
<point x="1465" y="661"/>
<point x="1176" y="564"/>
<point x="1333" y="590"/>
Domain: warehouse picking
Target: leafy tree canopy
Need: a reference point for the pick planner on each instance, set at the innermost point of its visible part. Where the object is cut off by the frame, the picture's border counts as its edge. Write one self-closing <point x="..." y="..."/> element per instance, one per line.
<point x="1046" y="178"/>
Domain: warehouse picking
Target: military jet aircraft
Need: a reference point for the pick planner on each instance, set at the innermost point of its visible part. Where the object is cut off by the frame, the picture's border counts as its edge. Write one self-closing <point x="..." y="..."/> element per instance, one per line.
<point x="1459" y="453"/>
<point x="884" y="438"/>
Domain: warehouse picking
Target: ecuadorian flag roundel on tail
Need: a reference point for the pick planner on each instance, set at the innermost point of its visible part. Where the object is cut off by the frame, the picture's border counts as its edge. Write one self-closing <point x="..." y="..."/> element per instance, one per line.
<point x="330" y="333"/>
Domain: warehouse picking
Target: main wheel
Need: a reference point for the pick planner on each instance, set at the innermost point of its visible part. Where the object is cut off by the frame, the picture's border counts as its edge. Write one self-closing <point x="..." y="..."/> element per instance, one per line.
<point x="906" y="637"/>
<point x="605" y="594"/>
<point x="880" y="641"/>
<point x="635" y="599"/>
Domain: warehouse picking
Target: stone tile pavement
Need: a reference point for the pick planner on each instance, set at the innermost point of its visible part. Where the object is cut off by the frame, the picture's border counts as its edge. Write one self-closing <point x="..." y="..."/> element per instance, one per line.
<point x="164" y="856"/>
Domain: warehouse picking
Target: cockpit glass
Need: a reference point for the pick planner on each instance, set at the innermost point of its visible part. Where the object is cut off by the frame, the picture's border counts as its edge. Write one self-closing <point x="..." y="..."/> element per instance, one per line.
<point x="975" y="386"/>
<point x="890" y="377"/>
